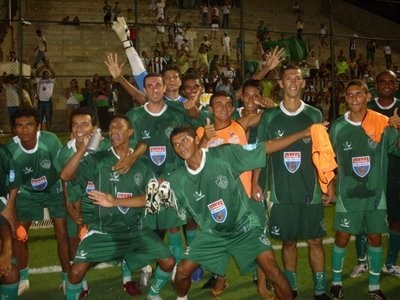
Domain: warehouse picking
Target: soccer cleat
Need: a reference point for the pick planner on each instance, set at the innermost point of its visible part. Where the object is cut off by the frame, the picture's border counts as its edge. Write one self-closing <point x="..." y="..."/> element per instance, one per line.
<point x="337" y="292"/>
<point x="132" y="288"/>
<point x="391" y="269"/>
<point x="322" y="297"/>
<point x="154" y="297"/>
<point x="377" y="295"/>
<point x="145" y="277"/>
<point x="84" y="294"/>
<point x="197" y="274"/>
<point x="210" y="282"/>
<point x="23" y="286"/>
<point x="358" y="270"/>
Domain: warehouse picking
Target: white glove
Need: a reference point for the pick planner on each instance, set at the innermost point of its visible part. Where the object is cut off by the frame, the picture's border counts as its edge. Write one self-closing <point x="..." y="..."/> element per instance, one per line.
<point x="166" y="195"/>
<point x="121" y="29"/>
<point x="152" y="199"/>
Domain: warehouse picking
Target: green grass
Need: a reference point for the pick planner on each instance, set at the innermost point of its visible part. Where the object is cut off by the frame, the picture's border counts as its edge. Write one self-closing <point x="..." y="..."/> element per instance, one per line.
<point x="106" y="283"/>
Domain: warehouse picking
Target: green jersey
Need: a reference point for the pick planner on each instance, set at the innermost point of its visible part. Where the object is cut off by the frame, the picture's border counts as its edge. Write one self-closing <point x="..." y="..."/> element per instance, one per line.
<point x="154" y="130"/>
<point x="10" y="177"/>
<point x="213" y="194"/>
<point x="362" y="172"/>
<point x="37" y="166"/>
<point x="95" y="172"/>
<point x="293" y="178"/>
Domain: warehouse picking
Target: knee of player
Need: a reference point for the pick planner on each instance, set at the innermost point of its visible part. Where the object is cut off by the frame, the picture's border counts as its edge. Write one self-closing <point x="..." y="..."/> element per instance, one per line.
<point x="11" y="277"/>
<point x="76" y="273"/>
<point x="315" y="243"/>
<point x="185" y="270"/>
<point x="167" y="264"/>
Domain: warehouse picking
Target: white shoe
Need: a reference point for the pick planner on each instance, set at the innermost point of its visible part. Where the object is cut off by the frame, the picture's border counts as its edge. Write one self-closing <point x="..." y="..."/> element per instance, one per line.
<point x="155" y="297"/>
<point x="392" y="270"/>
<point x="23" y="286"/>
<point x="145" y="276"/>
<point x="358" y="270"/>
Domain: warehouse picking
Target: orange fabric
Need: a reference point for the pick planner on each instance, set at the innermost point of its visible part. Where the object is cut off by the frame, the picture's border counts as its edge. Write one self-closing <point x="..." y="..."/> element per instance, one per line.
<point x="374" y="124"/>
<point x="323" y="156"/>
<point x="233" y="134"/>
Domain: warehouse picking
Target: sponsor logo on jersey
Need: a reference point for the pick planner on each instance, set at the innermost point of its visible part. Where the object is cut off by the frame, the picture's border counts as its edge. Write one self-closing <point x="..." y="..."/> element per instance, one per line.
<point x="39" y="184"/>
<point x="11" y="176"/>
<point x="275" y="230"/>
<point x="27" y="170"/>
<point x="347" y="146"/>
<point x="233" y="138"/>
<point x="168" y="131"/>
<point x="114" y="176"/>
<point x="145" y="134"/>
<point x="372" y="144"/>
<point x="345" y="223"/>
<point x="216" y="142"/>
<point x="361" y="165"/>
<point x="138" y="179"/>
<point x="264" y="240"/>
<point x="158" y="154"/>
<point x="90" y="186"/>
<point x="249" y="147"/>
<point x="121" y="195"/>
<point x="45" y="164"/>
<point x="279" y="133"/>
<point x="222" y="181"/>
<point x="81" y="254"/>
<point x="306" y="140"/>
<point x="292" y="160"/>
<point x="198" y="195"/>
<point x="218" y="211"/>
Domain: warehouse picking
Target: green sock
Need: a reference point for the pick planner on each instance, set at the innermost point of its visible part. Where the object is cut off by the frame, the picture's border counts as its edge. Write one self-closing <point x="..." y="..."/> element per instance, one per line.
<point x="175" y="245"/>
<point x="9" y="291"/>
<point x="73" y="290"/>
<point x="24" y="274"/>
<point x="338" y="255"/>
<point x="361" y="248"/>
<point x="160" y="278"/>
<point x="190" y="234"/>
<point x="126" y="272"/>
<point x="393" y="248"/>
<point x="291" y="276"/>
<point x="319" y="279"/>
<point x="375" y="263"/>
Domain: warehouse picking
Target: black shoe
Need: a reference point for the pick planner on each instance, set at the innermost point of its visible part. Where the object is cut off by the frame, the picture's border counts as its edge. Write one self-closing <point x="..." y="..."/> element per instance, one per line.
<point x="322" y="297"/>
<point x="210" y="282"/>
<point x="377" y="295"/>
<point x="337" y="292"/>
<point x="294" y="293"/>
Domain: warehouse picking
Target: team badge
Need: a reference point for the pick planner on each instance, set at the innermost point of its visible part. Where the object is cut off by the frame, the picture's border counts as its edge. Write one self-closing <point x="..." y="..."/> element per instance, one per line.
<point x="218" y="211"/>
<point x="292" y="160"/>
<point x="222" y="181"/>
<point x="306" y="140"/>
<point x="158" y="154"/>
<point x="361" y="165"/>
<point x="45" y="164"/>
<point x="123" y="209"/>
<point x="90" y="186"/>
<point x="168" y="131"/>
<point x="138" y="179"/>
<point x="372" y="144"/>
<point x="11" y="176"/>
<point x="39" y="184"/>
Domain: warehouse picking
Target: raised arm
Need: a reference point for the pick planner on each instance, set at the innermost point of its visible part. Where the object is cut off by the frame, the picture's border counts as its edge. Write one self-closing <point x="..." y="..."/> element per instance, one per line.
<point x="273" y="59"/>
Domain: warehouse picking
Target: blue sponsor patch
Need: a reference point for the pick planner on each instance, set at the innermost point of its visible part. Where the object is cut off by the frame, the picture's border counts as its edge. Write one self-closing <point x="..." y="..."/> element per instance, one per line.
<point x="218" y="211"/>
<point x="158" y="154"/>
<point x="361" y="165"/>
<point x="90" y="186"/>
<point x="39" y="184"/>
<point x="292" y="160"/>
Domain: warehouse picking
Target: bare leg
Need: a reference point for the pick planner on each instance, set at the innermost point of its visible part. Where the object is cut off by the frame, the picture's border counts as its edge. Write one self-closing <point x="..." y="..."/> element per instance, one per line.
<point x="183" y="278"/>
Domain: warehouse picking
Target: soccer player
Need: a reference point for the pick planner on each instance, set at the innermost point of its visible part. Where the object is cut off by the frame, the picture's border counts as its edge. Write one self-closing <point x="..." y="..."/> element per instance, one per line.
<point x="207" y="186"/>
<point x="295" y="192"/>
<point x="35" y="154"/>
<point x="362" y="140"/>
<point x="115" y="229"/>
<point x="388" y="105"/>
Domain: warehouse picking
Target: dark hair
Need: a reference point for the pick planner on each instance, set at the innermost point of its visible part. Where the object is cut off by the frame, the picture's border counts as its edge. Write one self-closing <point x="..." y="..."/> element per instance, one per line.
<point x="288" y="67"/>
<point x="24" y="111"/>
<point x="253" y="83"/>
<point x="389" y="72"/>
<point x="180" y="129"/>
<point x="125" y="118"/>
<point x="84" y="110"/>
<point x="219" y="94"/>
<point x="152" y="74"/>
<point x="171" y="67"/>
<point x="358" y="82"/>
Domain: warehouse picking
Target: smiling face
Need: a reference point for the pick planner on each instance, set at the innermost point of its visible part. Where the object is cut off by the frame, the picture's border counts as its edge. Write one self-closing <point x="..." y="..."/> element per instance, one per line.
<point x="250" y="95"/>
<point x="222" y="108"/>
<point x="119" y="131"/>
<point x="357" y="97"/>
<point x="386" y="85"/>
<point x="81" y="126"/>
<point x="191" y="87"/>
<point x="292" y="83"/>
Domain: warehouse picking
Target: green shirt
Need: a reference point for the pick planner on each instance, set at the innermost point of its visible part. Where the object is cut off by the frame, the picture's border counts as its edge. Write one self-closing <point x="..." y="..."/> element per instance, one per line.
<point x="10" y="177"/>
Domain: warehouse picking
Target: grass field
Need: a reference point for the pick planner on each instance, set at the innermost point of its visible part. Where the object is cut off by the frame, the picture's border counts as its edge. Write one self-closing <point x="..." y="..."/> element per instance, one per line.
<point x="106" y="283"/>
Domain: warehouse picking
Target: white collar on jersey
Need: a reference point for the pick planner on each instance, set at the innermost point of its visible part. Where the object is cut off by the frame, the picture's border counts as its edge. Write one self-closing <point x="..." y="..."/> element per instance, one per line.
<point x="17" y="140"/>
<point x="292" y="113"/>
<point x="155" y="114"/>
<point x="346" y="117"/>
<point x="385" y="107"/>
<point x="202" y="163"/>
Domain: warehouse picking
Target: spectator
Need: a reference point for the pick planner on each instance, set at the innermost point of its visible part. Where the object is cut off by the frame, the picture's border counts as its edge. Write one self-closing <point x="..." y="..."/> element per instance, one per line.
<point x="204" y="13"/>
<point x="323" y="35"/>
<point x="299" y="27"/>
<point x="45" y="79"/>
<point x="87" y="93"/>
<point x="238" y="48"/>
<point x="353" y="47"/>
<point x="296" y="8"/>
<point x="116" y="11"/>
<point x="107" y="10"/>
<point x="74" y="97"/>
<point x="102" y="100"/>
<point x="214" y="21"/>
<point x="10" y="85"/>
<point x="313" y="62"/>
<point x="371" y="49"/>
<point x="157" y="62"/>
<point x="160" y="6"/>
<point x="387" y="51"/>
<point x="228" y="72"/>
<point x="361" y="65"/>
<point x="262" y="30"/>
<point x="13" y="56"/>
<point x="206" y="42"/>
<point x="226" y="11"/>
<point x="226" y="48"/>
<point x="41" y="49"/>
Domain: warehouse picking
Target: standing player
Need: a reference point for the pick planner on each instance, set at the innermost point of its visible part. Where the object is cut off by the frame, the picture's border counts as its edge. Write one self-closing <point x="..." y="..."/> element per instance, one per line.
<point x="205" y="187"/>
<point x="362" y="140"/>
<point x="35" y="153"/>
<point x="295" y="193"/>
<point x="116" y="224"/>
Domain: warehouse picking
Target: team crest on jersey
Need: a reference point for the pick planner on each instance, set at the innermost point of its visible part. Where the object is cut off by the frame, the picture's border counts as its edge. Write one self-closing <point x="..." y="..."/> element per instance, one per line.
<point x="11" y="176"/>
<point x="39" y="184"/>
<point x="292" y="160"/>
<point x="306" y="140"/>
<point x="158" y="154"/>
<point x="145" y="134"/>
<point x="279" y="133"/>
<point x="345" y="223"/>
<point x="120" y="195"/>
<point x="138" y="178"/>
<point x="218" y="211"/>
<point x="90" y="186"/>
<point x="222" y="181"/>
<point x="198" y="195"/>
<point x="372" y="144"/>
<point x="361" y="165"/>
<point x="347" y="146"/>
<point x="45" y="164"/>
<point x="168" y="131"/>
